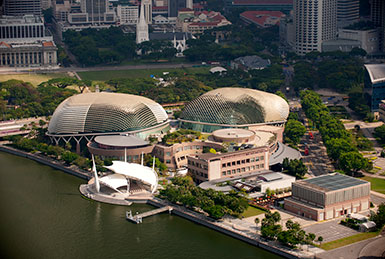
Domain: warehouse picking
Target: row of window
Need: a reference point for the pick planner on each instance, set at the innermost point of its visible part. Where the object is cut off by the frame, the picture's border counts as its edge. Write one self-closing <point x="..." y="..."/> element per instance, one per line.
<point x="242" y="170"/>
<point x="198" y="173"/>
<point x="244" y="161"/>
<point x="196" y="164"/>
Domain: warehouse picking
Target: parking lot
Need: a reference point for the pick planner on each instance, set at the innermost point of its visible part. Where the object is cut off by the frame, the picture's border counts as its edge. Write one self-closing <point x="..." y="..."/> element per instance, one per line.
<point x="330" y="230"/>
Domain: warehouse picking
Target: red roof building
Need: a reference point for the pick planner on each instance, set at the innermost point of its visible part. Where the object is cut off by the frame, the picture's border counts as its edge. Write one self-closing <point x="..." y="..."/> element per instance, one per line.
<point x="262" y="18"/>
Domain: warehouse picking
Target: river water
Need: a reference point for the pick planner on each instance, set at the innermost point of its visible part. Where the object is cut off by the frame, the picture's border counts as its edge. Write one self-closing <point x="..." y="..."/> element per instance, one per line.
<point x="44" y="216"/>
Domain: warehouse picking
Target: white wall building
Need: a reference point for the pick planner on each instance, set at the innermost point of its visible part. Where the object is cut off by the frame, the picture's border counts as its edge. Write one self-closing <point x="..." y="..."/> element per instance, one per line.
<point x="127" y="14"/>
<point x="315" y="21"/>
<point x="369" y="39"/>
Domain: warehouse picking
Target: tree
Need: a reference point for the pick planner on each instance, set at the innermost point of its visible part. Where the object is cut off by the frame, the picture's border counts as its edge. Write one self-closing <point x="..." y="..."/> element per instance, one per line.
<point x="379" y="217"/>
<point x="69" y="157"/>
<point x="320" y="239"/>
<point x="294" y="167"/>
<point x="352" y="162"/>
<point x="257" y="220"/>
<point x="294" y="131"/>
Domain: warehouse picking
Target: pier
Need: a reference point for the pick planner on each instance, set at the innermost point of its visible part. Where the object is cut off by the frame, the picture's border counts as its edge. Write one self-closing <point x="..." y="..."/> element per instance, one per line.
<point x="139" y="217"/>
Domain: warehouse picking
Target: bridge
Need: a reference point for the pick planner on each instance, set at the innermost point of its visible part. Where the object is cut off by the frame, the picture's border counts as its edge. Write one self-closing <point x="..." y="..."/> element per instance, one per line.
<point x="138" y="218"/>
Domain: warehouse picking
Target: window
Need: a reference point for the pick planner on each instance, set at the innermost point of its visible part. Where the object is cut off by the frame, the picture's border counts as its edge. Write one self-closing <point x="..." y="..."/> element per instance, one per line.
<point x="228" y="164"/>
<point x="168" y="161"/>
<point x="228" y="172"/>
<point x="243" y="161"/>
<point x="257" y="159"/>
<point x="248" y="160"/>
<point x="233" y="171"/>
<point x="262" y="158"/>
<point x="238" y="162"/>
<point x="257" y="166"/>
<point x="238" y="170"/>
<point x="168" y="153"/>
<point x="224" y="165"/>
<point x="233" y="163"/>
<point x="243" y="169"/>
<point x="223" y="173"/>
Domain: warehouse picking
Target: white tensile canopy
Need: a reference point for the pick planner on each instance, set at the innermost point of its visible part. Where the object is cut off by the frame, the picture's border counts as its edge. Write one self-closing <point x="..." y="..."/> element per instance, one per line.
<point x="137" y="172"/>
<point x="114" y="181"/>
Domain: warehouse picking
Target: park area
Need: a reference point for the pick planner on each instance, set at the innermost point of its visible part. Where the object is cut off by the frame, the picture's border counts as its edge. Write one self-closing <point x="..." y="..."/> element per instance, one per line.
<point x="377" y="184"/>
<point x="34" y="78"/>
<point x="138" y="73"/>
<point x="252" y="211"/>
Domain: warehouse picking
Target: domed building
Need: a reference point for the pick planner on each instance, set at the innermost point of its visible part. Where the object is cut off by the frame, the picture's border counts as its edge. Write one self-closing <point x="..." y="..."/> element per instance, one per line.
<point x="234" y="108"/>
<point x="94" y="114"/>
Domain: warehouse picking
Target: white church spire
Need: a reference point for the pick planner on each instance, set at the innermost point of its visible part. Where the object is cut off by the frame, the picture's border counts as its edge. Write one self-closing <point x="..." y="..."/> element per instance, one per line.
<point x="142" y="27"/>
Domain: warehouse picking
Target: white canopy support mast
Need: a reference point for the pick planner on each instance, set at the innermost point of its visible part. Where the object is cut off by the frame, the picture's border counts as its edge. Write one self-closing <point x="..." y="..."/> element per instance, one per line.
<point x="97" y="184"/>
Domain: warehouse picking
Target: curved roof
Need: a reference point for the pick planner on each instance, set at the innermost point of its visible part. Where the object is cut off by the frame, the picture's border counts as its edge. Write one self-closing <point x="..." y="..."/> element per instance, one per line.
<point x="114" y="181"/>
<point x="236" y="106"/>
<point x="105" y="112"/>
<point x="135" y="171"/>
<point x="120" y="141"/>
<point x="218" y="69"/>
<point x="376" y="72"/>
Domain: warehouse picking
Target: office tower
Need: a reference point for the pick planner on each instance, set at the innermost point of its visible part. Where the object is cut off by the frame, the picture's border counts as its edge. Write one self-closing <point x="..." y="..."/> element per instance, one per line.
<point x="315" y="21"/>
<point x="95" y="9"/>
<point x="22" y="7"/>
<point x="348" y="12"/>
<point x="377" y="16"/>
<point x="174" y="6"/>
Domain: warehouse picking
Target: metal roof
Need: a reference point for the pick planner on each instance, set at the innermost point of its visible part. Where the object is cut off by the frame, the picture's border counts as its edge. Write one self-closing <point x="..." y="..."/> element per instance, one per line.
<point x="332" y="182"/>
<point x="376" y="72"/>
<point x="271" y="177"/>
<point x="120" y="141"/>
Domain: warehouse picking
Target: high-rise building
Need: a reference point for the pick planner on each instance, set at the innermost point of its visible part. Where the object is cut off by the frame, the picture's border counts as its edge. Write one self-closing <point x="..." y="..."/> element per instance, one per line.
<point x="95" y="9"/>
<point x="45" y="4"/>
<point x="348" y="12"/>
<point x="315" y="21"/>
<point x="22" y="7"/>
<point x="377" y="16"/>
<point x="174" y="6"/>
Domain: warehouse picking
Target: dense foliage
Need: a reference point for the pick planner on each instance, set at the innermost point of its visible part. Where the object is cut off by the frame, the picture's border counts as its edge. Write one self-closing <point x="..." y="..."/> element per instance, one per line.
<point x="107" y="46"/>
<point x="294" y="131"/>
<point x="291" y="237"/>
<point x="379" y="217"/>
<point x="337" y="139"/>
<point x="19" y="99"/>
<point x="216" y="204"/>
<point x="294" y="167"/>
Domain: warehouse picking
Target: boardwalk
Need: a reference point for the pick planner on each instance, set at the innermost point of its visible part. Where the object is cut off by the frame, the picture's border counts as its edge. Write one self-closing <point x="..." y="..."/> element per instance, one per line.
<point x="139" y="217"/>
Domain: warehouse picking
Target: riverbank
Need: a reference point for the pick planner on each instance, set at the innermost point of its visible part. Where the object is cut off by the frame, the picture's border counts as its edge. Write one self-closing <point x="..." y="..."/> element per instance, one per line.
<point x="226" y="227"/>
<point x="47" y="161"/>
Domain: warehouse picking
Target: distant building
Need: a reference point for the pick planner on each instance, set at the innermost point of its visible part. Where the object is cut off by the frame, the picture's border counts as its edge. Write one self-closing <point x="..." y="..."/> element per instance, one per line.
<point x="127" y="14"/>
<point x="377" y="16"/>
<point x="22" y="7"/>
<point x="25" y="43"/>
<point x="264" y="5"/>
<point x="174" y="6"/>
<point x="315" y="22"/>
<point x="328" y="196"/>
<point x="375" y="84"/>
<point x="142" y="27"/>
<point x="92" y="12"/>
<point x="369" y="39"/>
<point x="381" y="110"/>
<point x="45" y="4"/>
<point x="61" y="9"/>
<point x="262" y="182"/>
<point x="287" y="33"/>
<point x="250" y="63"/>
<point x="147" y="4"/>
<point x="197" y="22"/>
<point x="262" y="18"/>
<point x="177" y="39"/>
<point x="348" y="12"/>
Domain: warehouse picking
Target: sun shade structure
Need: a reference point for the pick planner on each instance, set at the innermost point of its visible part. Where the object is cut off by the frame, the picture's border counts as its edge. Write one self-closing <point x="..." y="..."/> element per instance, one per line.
<point x="133" y="171"/>
<point x="105" y="113"/>
<point x="235" y="107"/>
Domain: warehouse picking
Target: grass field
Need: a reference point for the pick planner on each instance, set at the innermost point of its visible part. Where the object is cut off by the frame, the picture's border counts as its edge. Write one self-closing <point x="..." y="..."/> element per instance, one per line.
<point x="137" y="73"/>
<point x="33" y="78"/>
<point x="252" y="211"/>
<point x="377" y="184"/>
<point x="347" y="240"/>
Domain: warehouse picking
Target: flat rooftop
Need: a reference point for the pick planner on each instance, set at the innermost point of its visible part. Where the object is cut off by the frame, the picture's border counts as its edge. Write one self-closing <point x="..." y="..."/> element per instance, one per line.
<point x="331" y="182"/>
<point x="120" y="141"/>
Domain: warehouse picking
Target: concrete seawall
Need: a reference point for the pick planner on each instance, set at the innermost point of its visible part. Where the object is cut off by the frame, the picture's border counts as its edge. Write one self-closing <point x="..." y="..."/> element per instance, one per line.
<point x="177" y="210"/>
<point x="202" y="220"/>
<point x="46" y="161"/>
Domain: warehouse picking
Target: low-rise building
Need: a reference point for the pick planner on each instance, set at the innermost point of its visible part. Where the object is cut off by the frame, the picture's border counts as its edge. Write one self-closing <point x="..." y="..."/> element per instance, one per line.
<point x="262" y="19"/>
<point x="127" y="14"/>
<point x="197" y="22"/>
<point x="250" y="62"/>
<point x="374" y="83"/>
<point x="328" y="196"/>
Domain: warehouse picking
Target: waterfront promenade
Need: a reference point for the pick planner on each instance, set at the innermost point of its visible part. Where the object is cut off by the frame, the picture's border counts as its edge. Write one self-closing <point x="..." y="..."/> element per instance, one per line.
<point x="230" y="226"/>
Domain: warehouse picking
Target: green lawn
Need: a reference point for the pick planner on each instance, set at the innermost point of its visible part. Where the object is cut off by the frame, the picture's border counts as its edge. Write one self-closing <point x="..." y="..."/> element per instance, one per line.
<point x="377" y="184"/>
<point x="34" y="78"/>
<point x="347" y="240"/>
<point x="137" y="73"/>
<point x="252" y="211"/>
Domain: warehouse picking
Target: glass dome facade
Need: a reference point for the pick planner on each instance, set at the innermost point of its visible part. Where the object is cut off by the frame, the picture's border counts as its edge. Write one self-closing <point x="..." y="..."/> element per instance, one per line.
<point x="234" y="107"/>
<point x="105" y="113"/>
